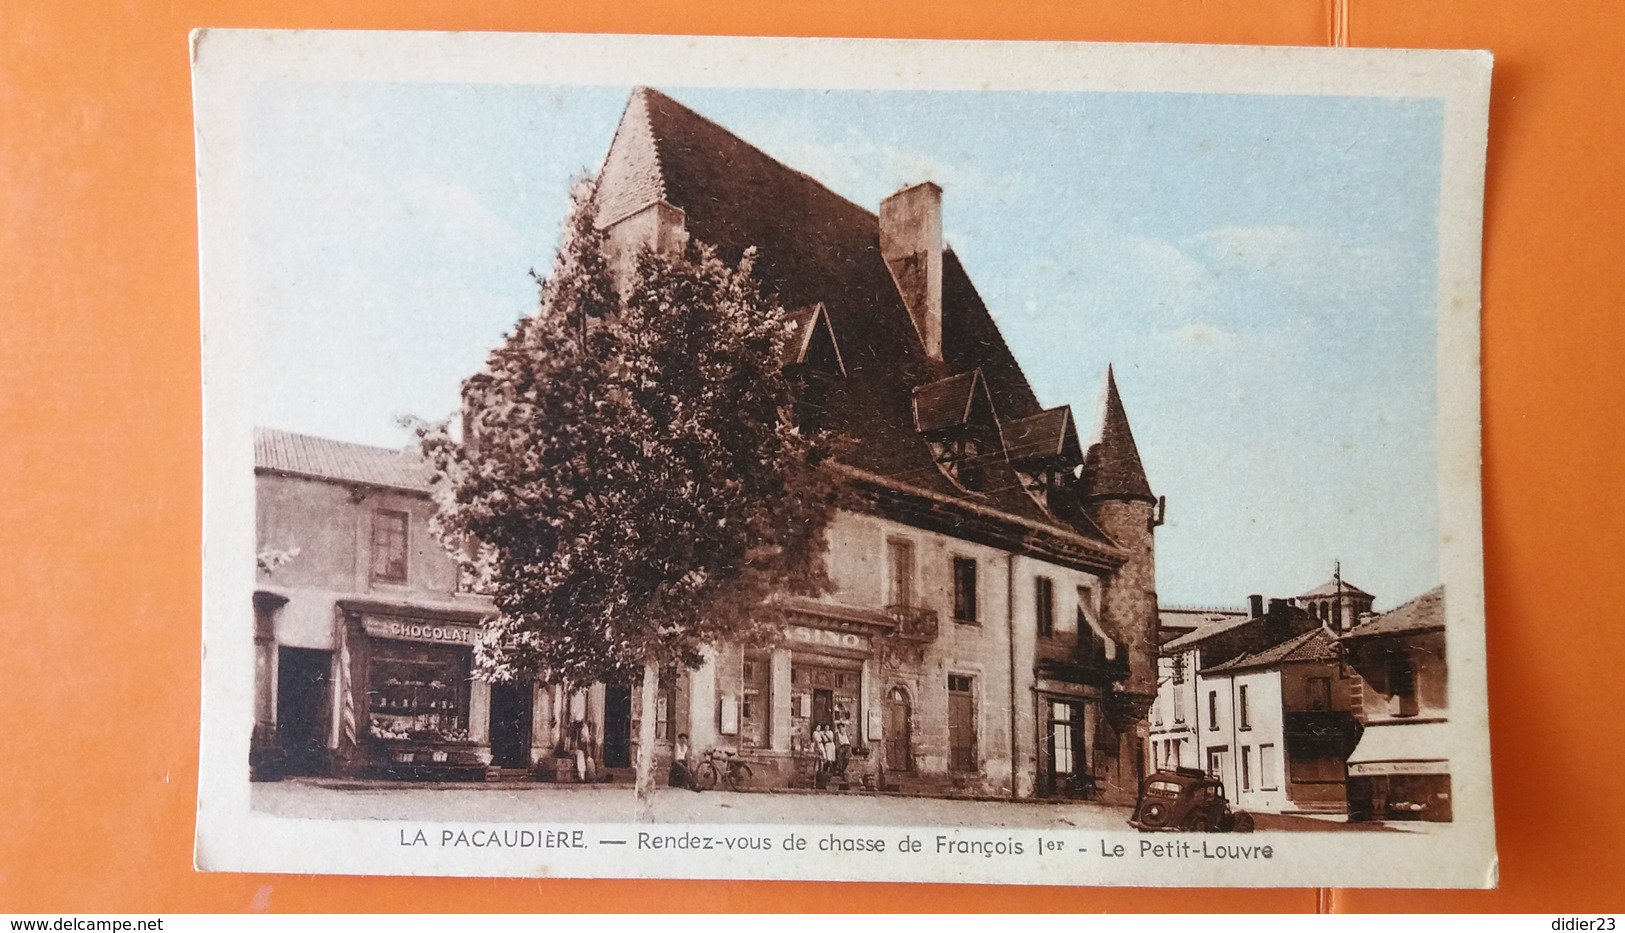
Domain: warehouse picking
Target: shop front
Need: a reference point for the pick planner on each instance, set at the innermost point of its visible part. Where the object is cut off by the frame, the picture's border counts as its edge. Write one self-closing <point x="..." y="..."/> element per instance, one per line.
<point x="1397" y="773"/>
<point x="828" y="703"/>
<point x="410" y="707"/>
<point x="1069" y="721"/>
<point x="804" y="712"/>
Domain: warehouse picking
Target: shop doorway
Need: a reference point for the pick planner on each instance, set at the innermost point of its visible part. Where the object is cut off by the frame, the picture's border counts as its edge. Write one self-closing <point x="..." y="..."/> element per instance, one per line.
<point x="510" y="725"/>
<point x="899" y="738"/>
<point x="1218" y="765"/>
<point x="617" y="726"/>
<point x="1068" y="753"/>
<point x="823" y="711"/>
<point x="304" y="707"/>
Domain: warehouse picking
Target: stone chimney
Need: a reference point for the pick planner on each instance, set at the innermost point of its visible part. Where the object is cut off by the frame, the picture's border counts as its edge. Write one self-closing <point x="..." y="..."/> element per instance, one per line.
<point x="1255" y="606"/>
<point x="911" y="244"/>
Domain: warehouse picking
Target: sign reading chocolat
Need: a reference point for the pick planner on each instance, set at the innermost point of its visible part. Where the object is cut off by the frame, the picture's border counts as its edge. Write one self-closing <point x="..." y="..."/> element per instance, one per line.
<point x="439" y="633"/>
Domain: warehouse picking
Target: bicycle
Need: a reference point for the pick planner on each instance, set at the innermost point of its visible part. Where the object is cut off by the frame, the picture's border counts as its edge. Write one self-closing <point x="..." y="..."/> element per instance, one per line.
<point x="724" y="766"/>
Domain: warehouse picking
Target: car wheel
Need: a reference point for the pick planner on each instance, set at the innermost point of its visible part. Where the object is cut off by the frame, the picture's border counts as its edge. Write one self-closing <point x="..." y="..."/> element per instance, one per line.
<point x="1154" y="814"/>
<point x="1244" y="823"/>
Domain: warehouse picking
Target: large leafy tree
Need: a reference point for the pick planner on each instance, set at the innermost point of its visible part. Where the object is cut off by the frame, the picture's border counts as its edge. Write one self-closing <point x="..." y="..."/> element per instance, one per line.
<point x="628" y="487"/>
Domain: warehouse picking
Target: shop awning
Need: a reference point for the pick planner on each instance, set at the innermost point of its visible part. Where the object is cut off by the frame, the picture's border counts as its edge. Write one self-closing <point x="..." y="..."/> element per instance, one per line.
<point x="1400" y="748"/>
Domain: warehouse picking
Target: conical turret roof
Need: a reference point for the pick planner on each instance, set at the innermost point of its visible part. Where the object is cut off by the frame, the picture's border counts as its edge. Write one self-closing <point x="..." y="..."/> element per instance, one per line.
<point x="1112" y="464"/>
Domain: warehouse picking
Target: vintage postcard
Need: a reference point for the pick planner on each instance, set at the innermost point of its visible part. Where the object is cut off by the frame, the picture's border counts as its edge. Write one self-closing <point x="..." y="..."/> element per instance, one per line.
<point x="841" y="459"/>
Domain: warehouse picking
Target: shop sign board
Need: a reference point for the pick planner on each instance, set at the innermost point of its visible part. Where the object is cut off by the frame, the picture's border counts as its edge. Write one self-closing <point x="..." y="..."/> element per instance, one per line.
<point x="729" y="715"/>
<point x="438" y="633"/>
<point x="826" y="638"/>
<point x="1375" y="768"/>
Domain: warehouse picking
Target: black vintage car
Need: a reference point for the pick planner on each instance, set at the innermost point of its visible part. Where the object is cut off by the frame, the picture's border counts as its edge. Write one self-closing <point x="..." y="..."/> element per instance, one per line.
<point x="1186" y="800"/>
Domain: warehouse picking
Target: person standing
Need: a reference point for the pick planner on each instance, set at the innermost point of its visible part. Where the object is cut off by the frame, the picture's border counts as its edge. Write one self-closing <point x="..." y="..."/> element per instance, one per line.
<point x="826" y="748"/>
<point x="843" y="747"/>
<point x="585" y="766"/>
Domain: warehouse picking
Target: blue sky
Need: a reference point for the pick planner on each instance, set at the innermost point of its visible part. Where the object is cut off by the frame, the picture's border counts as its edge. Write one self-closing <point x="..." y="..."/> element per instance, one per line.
<point x="1258" y="269"/>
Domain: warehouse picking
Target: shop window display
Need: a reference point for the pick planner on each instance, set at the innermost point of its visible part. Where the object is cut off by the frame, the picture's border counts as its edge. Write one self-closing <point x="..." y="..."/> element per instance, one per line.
<point x="418" y="693"/>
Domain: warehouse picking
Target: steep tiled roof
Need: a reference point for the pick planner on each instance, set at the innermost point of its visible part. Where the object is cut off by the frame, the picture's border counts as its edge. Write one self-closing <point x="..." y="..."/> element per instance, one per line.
<point x="1112" y="466"/>
<point x="319" y="458"/>
<point x="1314" y="645"/>
<point x="1425" y="613"/>
<point x="631" y="177"/>
<point x="814" y="246"/>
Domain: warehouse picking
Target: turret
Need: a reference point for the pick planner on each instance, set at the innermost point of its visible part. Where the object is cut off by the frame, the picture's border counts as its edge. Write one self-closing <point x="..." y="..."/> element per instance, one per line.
<point x="1117" y="496"/>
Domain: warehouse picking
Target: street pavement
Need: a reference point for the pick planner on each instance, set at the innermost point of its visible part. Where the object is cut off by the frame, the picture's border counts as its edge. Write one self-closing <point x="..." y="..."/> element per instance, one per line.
<point x="611" y="803"/>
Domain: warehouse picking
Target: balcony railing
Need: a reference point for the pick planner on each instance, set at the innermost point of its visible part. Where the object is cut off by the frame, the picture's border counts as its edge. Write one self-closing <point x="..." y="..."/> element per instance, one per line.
<point x="914" y="622"/>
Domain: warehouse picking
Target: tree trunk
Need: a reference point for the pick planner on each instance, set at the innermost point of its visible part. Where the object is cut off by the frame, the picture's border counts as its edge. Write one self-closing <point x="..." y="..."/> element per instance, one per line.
<point x="644" y="805"/>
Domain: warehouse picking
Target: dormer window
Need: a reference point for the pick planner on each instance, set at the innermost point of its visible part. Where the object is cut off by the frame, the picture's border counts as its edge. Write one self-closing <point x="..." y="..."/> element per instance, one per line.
<point x="955" y="418"/>
<point x="1045" y="452"/>
<point x="812" y="362"/>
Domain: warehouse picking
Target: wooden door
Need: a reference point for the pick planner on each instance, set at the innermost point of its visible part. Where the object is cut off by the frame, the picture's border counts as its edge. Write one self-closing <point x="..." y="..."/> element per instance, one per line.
<point x="823" y="711"/>
<point x="304" y="707"/>
<point x="617" y="726"/>
<point x="510" y="725"/>
<point x="899" y="740"/>
<point x="961" y="723"/>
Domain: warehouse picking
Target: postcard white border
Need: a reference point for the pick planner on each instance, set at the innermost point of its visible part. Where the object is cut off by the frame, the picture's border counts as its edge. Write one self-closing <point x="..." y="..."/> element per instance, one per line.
<point x="233" y="837"/>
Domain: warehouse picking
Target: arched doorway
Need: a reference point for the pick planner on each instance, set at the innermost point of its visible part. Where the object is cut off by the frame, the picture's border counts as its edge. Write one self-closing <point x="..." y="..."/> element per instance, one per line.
<point x="899" y="739"/>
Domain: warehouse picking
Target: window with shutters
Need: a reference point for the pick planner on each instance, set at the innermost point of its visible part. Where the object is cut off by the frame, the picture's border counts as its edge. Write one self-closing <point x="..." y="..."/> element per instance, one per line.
<point x="389" y="546"/>
<point x="965" y="590"/>
<point x="900" y="573"/>
<point x="1044" y="605"/>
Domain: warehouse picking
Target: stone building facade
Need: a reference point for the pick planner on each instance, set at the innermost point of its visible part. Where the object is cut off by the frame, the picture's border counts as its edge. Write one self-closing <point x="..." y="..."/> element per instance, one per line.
<point x="993" y="627"/>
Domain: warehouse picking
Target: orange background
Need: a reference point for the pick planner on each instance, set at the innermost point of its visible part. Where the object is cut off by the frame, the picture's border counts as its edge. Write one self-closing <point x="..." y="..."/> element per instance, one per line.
<point x="100" y="453"/>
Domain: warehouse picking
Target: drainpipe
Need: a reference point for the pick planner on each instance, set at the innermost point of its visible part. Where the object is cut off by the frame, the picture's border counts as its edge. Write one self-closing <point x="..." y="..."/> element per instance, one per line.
<point x="1010" y="620"/>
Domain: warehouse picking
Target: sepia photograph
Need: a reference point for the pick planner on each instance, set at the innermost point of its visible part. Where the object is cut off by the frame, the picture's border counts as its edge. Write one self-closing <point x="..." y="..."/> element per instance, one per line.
<point x="986" y="462"/>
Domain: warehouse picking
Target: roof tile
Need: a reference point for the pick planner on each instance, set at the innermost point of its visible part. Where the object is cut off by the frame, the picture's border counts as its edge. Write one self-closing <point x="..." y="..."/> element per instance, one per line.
<point x="1422" y="614"/>
<point x="320" y="458"/>
<point x="812" y="246"/>
<point x="1314" y="645"/>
